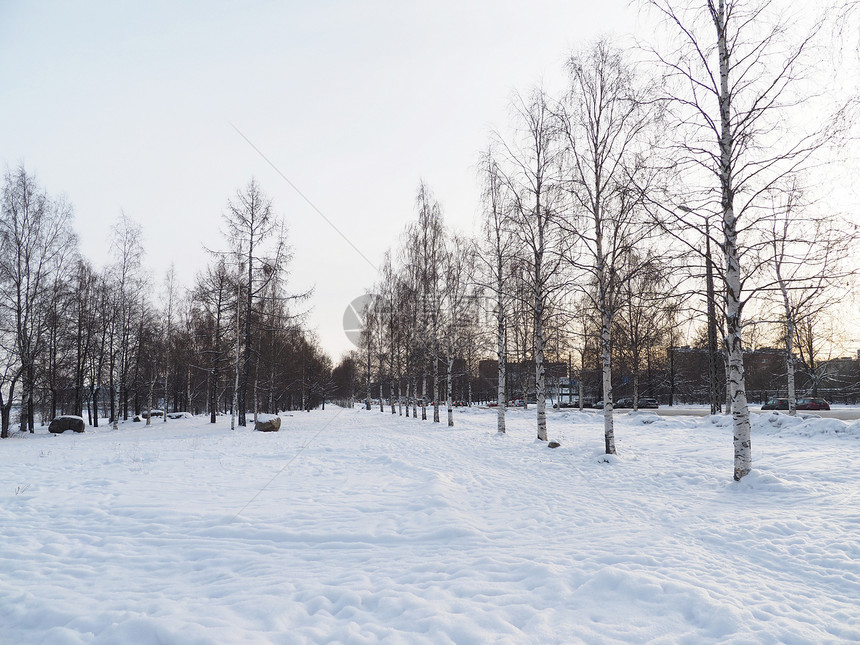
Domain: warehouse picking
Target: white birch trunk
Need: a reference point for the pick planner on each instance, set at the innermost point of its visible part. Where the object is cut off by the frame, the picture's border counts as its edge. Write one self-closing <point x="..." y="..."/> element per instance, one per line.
<point x="789" y="371"/>
<point x="540" y="375"/>
<point x="449" y="388"/>
<point x="740" y="411"/>
<point x="436" y="383"/>
<point x="503" y="355"/>
<point x="789" y="337"/>
<point x="635" y="390"/>
<point x="606" y="357"/>
<point x="424" y="396"/>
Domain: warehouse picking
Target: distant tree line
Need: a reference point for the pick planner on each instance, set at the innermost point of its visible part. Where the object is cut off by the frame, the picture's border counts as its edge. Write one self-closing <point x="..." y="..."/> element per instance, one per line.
<point x="113" y="343"/>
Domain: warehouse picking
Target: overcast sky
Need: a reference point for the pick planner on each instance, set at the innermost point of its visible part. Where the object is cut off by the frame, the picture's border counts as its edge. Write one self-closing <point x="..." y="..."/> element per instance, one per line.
<point x="129" y="106"/>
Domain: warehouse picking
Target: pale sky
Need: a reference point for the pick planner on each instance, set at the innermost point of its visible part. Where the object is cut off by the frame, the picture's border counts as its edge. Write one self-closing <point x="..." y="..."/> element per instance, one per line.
<point x="128" y="106"/>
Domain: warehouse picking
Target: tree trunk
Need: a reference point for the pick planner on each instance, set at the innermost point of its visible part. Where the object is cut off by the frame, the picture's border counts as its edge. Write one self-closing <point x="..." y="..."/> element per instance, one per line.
<point x="449" y="389"/>
<point x="635" y="389"/>
<point x="606" y="356"/>
<point x="149" y="403"/>
<point x="540" y="372"/>
<point x="5" y="413"/>
<point x="740" y="411"/>
<point x="581" y="389"/>
<point x="435" y="387"/>
<point x="789" y="368"/>
<point x="424" y="397"/>
<point x="502" y="351"/>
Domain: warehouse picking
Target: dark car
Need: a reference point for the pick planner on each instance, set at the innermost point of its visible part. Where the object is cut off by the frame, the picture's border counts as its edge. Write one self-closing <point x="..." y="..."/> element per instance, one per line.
<point x="648" y="403"/>
<point x="598" y="405"/>
<point x="812" y="404"/>
<point x="776" y="404"/>
<point x="624" y="403"/>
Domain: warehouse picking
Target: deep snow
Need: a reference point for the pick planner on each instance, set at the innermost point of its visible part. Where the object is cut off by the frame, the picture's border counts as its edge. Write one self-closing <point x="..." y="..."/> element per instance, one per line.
<point x="361" y="527"/>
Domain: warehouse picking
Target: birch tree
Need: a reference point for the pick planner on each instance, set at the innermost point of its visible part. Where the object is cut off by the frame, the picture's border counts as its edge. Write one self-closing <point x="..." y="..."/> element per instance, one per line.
<point x="606" y="119"/>
<point x="456" y="279"/>
<point x="427" y="238"/>
<point x="735" y="66"/>
<point x="530" y="164"/>
<point x="808" y="256"/>
<point x="494" y="254"/>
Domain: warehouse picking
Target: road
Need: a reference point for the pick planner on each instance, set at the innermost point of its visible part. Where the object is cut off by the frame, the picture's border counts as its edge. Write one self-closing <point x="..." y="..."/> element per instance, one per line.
<point x="845" y="414"/>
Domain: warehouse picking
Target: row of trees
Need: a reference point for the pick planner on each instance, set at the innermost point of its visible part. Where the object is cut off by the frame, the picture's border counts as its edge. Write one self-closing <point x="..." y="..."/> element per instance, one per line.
<point x="639" y="197"/>
<point x="109" y="343"/>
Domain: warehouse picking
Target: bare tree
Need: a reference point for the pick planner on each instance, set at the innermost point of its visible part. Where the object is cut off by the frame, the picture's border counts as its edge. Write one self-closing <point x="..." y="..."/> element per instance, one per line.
<point x="494" y="254"/>
<point x="250" y="223"/>
<point x="529" y="166"/>
<point x="35" y="236"/>
<point x="212" y="296"/>
<point x="171" y="295"/>
<point x="808" y="256"/>
<point x="425" y="249"/>
<point x="458" y="269"/>
<point x="127" y="280"/>
<point x="606" y="120"/>
<point x="735" y="65"/>
<point x="646" y="298"/>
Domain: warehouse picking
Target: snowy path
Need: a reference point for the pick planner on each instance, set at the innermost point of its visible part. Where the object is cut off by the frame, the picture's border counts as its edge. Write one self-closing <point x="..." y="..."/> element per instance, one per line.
<point x="359" y="527"/>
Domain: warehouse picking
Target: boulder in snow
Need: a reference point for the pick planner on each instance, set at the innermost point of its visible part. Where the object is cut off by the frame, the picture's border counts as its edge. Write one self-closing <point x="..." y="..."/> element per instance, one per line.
<point x="268" y="423"/>
<point x="66" y="422"/>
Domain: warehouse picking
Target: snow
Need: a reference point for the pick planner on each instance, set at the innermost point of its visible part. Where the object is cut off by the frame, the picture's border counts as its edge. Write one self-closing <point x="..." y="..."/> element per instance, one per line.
<point x="363" y="527"/>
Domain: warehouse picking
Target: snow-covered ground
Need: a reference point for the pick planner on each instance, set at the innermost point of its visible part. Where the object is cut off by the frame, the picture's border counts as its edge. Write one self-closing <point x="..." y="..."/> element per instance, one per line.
<point x="351" y="526"/>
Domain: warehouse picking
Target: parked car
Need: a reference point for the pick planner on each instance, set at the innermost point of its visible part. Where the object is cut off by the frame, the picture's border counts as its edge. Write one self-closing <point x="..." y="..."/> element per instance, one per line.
<point x="624" y="403"/>
<point x="776" y="404"/>
<point x="599" y="405"/>
<point x="648" y="403"/>
<point x="516" y="403"/>
<point x="812" y="404"/>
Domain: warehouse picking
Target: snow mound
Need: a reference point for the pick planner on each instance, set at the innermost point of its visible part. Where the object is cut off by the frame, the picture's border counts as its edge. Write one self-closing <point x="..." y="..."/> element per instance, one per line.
<point x="719" y="420"/>
<point x="757" y="481"/>
<point x="803" y="425"/>
<point x="814" y="427"/>
<point x="640" y="418"/>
